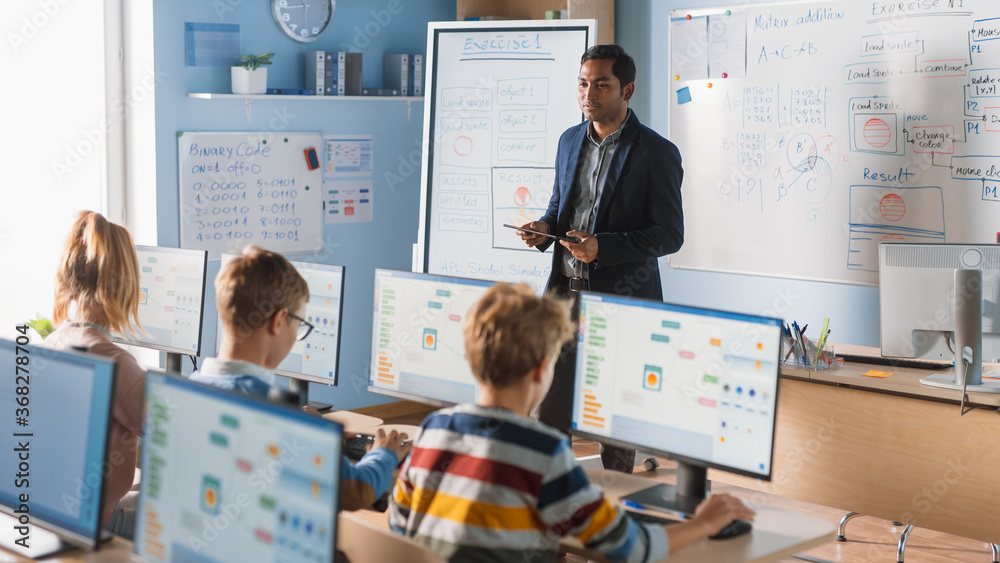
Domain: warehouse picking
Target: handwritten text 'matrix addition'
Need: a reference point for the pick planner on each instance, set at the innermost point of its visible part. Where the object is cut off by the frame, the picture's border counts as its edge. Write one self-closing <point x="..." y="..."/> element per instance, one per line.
<point x="766" y="22"/>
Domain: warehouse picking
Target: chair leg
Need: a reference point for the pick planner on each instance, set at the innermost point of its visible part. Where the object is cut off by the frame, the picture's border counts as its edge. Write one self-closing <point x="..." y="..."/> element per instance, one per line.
<point x="901" y="546"/>
<point x="996" y="552"/>
<point x="842" y="530"/>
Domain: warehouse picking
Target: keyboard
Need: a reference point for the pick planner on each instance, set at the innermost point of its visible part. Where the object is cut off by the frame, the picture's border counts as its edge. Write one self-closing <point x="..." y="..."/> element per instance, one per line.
<point x="355" y="447"/>
<point x="733" y="529"/>
<point x="647" y="518"/>
<point x="895" y="362"/>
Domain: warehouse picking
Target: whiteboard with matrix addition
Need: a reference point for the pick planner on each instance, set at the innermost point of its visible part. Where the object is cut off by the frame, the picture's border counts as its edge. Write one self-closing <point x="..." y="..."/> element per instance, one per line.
<point x="250" y="188"/>
<point x="812" y="131"/>
<point x="500" y="96"/>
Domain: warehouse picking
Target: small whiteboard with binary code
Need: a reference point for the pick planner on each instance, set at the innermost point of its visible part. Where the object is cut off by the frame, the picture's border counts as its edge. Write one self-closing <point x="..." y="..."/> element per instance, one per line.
<point x="250" y="188"/>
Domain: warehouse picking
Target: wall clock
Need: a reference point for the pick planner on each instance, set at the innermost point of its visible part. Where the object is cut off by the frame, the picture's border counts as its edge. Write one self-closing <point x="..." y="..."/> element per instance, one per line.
<point x="303" y="20"/>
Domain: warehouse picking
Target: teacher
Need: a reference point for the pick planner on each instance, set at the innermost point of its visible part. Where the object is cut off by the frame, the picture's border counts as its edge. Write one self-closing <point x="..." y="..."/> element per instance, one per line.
<point x="617" y="189"/>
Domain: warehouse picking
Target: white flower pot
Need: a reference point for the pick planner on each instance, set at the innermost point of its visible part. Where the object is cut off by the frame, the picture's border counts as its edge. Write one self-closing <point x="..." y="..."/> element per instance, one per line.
<point x="249" y="81"/>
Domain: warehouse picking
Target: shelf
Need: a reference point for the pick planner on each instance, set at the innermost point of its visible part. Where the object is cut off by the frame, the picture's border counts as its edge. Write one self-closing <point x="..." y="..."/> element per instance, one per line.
<point x="214" y="96"/>
<point x="248" y="98"/>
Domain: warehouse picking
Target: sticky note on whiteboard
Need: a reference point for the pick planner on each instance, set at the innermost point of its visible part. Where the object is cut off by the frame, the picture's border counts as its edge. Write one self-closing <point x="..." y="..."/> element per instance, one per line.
<point x="684" y="95"/>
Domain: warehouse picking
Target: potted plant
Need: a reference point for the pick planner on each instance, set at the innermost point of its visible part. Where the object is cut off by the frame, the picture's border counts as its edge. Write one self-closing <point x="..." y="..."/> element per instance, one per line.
<point x="249" y="75"/>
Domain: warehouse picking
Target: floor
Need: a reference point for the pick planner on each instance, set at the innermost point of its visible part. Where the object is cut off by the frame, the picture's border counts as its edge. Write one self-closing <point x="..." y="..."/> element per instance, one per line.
<point x="868" y="538"/>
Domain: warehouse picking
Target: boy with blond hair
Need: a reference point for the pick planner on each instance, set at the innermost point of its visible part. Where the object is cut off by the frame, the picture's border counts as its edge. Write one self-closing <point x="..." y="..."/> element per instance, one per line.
<point x="262" y="302"/>
<point x="486" y="482"/>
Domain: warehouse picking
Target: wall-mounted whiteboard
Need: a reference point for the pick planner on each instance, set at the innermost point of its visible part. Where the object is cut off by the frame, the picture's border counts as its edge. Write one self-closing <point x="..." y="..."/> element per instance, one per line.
<point x="811" y="131"/>
<point x="501" y="94"/>
<point x="250" y="188"/>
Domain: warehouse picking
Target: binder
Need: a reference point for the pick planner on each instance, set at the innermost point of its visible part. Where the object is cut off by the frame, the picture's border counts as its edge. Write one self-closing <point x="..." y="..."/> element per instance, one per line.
<point x="380" y="92"/>
<point x="328" y="73"/>
<point x="417" y="75"/>
<point x="315" y="69"/>
<point x="396" y="72"/>
<point x="348" y="74"/>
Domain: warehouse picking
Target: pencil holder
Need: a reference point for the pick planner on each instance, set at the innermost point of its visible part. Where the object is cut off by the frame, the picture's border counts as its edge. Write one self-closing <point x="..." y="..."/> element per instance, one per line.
<point x="828" y="357"/>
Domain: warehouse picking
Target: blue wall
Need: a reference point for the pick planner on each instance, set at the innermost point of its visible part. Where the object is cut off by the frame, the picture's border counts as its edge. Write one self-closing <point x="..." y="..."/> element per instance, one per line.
<point x="641" y="29"/>
<point x="367" y="26"/>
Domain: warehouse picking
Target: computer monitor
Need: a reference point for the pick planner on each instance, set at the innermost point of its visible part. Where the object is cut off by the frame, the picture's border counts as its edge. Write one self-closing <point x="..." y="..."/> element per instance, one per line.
<point x="699" y="386"/>
<point x="171" y="300"/>
<point x="231" y="478"/>
<point x="317" y="357"/>
<point x="917" y="304"/>
<point x="54" y="451"/>
<point x="418" y="350"/>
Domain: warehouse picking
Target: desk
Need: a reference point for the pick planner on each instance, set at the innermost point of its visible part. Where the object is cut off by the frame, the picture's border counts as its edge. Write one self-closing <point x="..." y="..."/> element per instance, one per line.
<point x="890" y="448"/>
<point x="776" y="533"/>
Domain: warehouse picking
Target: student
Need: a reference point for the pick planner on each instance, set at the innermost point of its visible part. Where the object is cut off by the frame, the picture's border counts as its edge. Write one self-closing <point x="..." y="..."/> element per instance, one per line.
<point x="97" y="291"/>
<point x="485" y="482"/>
<point x="262" y="302"/>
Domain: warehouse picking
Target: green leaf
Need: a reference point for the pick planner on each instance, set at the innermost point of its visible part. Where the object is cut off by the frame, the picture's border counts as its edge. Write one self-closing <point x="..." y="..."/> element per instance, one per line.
<point x="253" y="62"/>
<point x="42" y="326"/>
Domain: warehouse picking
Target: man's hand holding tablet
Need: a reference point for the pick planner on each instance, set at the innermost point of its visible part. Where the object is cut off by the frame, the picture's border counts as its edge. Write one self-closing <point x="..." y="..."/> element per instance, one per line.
<point x="535" y="233"/>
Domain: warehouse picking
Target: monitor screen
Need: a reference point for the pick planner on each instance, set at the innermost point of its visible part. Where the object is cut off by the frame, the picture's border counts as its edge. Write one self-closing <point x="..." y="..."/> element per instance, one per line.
<point x="171" y="300"/>
<point x="418" y="351"/>
<point x="696" y="385"/>
<point x="917" y="298"/>
<point x="59" y="405"/>
<point x="232" y="478"/>
<point x="318" y="356"/>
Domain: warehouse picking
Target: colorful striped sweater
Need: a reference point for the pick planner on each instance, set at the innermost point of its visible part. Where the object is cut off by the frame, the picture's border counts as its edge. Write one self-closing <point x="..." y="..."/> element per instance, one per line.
<point x="485" y="484"/>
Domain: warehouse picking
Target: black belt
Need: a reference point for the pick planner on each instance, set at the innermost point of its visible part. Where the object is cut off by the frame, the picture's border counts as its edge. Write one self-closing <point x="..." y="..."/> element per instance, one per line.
<point x="576" y="284"/>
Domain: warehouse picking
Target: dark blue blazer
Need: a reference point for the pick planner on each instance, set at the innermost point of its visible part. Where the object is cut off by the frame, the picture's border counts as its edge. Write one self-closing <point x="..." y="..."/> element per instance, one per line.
<point x="639" y="217"/>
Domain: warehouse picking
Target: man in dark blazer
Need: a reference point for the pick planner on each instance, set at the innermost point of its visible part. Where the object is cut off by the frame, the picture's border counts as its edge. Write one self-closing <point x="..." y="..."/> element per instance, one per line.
<point x="617" y="190"/>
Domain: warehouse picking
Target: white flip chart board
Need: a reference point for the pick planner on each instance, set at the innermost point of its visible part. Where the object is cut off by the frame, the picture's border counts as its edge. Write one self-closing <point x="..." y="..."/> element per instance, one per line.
<point x="500" y="96"/>
<point x="250" y="188"/>
<point x="811" y="131"/>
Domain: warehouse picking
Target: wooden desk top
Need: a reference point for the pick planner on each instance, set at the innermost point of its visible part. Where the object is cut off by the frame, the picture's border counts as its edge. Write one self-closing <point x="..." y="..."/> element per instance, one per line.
<point x="776" y="533"/>
<point x="114" y="551"/>
<point x="903" y="381"/>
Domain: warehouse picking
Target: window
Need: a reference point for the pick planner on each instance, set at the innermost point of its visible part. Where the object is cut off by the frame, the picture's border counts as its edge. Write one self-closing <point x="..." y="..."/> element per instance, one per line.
<point x="57" y="134"/>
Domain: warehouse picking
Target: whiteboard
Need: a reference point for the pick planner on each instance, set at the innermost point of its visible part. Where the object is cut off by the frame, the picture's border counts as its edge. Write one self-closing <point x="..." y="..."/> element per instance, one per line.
<point x="501" y="95"/>
<point x="250" y="188"/>
<point x="811" y="131"/>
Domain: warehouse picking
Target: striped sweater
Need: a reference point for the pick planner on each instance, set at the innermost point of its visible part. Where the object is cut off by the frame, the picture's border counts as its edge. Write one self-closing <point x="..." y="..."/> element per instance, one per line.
<point x="485" y="484"/>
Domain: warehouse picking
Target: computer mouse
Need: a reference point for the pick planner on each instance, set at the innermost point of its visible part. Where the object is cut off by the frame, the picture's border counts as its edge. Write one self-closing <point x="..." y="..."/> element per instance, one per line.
<point x="733" y="529"/>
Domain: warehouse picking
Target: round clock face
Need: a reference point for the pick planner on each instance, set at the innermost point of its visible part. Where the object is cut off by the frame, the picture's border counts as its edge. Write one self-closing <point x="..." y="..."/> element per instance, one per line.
<point x="303" y="20"/>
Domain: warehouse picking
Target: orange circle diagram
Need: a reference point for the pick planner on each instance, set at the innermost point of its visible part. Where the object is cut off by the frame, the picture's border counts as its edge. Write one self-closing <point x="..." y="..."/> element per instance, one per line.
<point x="892" y="238"/>
<point x="210" y="498"/>
<point x="651" y="379"/>
<point x="892" y="207"/>
<point x="463" y="145"/>
<point x="522" y="196"/>
<point x="429" y="339"/>
<point x="877" y="132"/>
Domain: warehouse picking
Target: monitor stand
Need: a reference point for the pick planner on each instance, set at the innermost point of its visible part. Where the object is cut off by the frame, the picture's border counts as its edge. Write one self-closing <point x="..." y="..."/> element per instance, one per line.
<point x="43" y="543"/>
<point x="947" y="381"/>
<point x="681" y="499"/>
<point x="173" y="362"/>
<point x="301" y="388"/>
<point x="968" y="304"/>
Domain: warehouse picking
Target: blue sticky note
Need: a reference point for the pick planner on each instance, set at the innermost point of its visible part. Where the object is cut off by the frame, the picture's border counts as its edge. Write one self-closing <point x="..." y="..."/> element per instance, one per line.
<point x="684" y="95"/>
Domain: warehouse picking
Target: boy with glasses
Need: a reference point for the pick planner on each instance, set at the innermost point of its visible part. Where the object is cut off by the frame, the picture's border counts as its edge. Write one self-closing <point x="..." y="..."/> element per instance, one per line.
<point x="262" y="302"/>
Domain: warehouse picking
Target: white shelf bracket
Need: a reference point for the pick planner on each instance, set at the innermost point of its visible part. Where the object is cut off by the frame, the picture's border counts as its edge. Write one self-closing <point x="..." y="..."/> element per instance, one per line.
<point x="249" y="102"/>
<point x="409" y="109"/>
